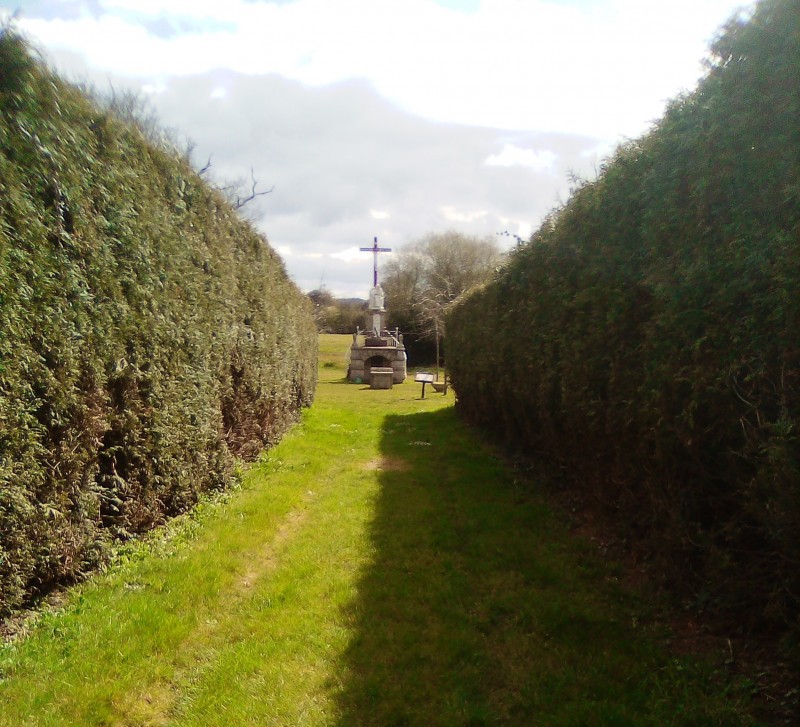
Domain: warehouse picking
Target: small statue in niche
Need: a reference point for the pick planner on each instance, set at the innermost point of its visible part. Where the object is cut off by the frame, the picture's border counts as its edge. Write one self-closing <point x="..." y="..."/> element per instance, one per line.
<point x="376" y="297"/>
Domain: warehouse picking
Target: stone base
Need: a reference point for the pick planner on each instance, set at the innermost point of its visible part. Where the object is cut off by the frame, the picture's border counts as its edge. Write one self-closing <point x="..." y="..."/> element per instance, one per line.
<point x="381" y="378"/>
<point x="365" y="358"/>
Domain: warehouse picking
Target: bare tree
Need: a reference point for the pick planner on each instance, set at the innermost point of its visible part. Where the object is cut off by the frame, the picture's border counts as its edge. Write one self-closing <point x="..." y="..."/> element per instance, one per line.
<point x="242" y="199"/>
<point x="137" y="109"/>
<point x="424" y="278"/>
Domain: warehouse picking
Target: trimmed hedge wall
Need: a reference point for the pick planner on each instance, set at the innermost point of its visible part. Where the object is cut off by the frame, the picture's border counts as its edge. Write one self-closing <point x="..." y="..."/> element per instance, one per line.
<point x="148" y="336"/>
<point x="648" y="336"/>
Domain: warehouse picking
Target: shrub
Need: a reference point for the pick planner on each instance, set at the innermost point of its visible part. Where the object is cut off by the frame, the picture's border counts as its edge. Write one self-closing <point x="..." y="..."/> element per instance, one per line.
<point x="647" y="335"/>
<point x="148" y="336"/>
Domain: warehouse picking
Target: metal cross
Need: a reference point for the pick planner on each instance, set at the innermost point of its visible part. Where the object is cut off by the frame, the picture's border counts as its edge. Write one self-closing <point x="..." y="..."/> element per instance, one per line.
<point x="375" y="250"/>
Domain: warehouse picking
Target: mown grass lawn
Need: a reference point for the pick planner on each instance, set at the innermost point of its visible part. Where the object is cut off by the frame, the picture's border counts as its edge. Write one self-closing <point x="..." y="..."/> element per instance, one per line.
<point x="379" y="567"/>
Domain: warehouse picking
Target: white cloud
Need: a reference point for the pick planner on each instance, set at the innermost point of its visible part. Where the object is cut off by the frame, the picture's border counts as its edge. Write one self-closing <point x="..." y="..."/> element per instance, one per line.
<point x="349" y="255"/>
<point x="603" y="69"/>
<point x="511" y="156"/>
<point x="199" y="9"/>
<point x="598" y="151"/>
<point x="151" y="89"/>
<point x="451" y="214"/>
<point x="396" y="118"/>
<point x="513" y="229"/>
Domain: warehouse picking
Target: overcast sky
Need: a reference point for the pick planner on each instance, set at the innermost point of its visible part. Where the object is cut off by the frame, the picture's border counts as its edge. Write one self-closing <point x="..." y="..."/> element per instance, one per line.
<point x="388" y="118"/>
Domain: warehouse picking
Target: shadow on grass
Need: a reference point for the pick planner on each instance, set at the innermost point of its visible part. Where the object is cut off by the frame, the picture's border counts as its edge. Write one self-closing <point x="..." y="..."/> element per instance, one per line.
<point x="478" y="610"/>
<point x="444" y="620"/>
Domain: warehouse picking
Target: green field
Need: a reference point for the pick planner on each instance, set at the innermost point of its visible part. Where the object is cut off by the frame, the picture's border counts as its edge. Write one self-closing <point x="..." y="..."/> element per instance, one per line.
<point x="378" y="567"/>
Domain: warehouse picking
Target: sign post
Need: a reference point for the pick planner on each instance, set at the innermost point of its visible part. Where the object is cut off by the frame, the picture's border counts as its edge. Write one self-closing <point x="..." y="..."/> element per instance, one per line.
<point x="424" y="378"/>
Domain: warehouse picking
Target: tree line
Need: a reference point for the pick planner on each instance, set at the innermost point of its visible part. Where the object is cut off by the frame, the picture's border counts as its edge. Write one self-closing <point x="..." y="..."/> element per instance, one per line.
<point x="421" y="280"/>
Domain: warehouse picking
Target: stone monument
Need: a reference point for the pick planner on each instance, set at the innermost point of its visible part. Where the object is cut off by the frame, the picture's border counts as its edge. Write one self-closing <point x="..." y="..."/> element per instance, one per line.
<point x="376" y="347"/>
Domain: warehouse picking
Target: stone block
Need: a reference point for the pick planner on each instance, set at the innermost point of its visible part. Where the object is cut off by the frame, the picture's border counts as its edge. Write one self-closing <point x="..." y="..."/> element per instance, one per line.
<point x="381" y="377"/>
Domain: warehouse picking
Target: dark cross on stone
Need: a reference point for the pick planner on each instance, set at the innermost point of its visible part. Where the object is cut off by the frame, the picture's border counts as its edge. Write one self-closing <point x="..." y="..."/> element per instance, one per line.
<point x="375" y="250"/>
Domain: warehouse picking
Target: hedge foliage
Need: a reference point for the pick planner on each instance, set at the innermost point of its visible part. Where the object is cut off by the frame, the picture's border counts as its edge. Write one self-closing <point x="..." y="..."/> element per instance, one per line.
<point x="648" y="336"/>
<point x="148" y="336"/>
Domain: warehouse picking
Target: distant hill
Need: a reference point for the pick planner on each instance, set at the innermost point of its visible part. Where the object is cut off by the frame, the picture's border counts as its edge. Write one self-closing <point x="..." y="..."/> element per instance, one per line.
<point x="337" y="315"/>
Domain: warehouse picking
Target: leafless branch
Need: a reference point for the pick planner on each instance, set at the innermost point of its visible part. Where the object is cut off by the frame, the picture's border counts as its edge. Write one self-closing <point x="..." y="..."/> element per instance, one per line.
<point x="206" y="167"/>
<point x="242" y="201"/>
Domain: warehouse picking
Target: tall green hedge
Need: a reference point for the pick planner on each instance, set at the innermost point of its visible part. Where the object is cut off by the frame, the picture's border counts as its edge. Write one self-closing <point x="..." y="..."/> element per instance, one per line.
<point x="148" y="336"/>
<point x="648" y="336"/>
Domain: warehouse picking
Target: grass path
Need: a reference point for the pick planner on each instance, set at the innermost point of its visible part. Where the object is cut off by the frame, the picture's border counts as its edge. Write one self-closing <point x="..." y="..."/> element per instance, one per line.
<point x="378" y="567"/>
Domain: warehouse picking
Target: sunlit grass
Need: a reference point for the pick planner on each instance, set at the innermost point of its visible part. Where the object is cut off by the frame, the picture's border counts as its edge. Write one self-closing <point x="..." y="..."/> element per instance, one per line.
<point x="378" y="567"/>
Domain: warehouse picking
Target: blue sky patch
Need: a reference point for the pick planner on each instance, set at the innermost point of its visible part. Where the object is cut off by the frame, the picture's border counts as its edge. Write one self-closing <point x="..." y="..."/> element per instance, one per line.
<point x="171" y="26"/>
<point x="57" y="9"/>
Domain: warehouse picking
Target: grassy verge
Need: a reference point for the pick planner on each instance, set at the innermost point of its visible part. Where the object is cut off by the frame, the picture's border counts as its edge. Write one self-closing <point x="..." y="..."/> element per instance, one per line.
<point x="378" y="567"/>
